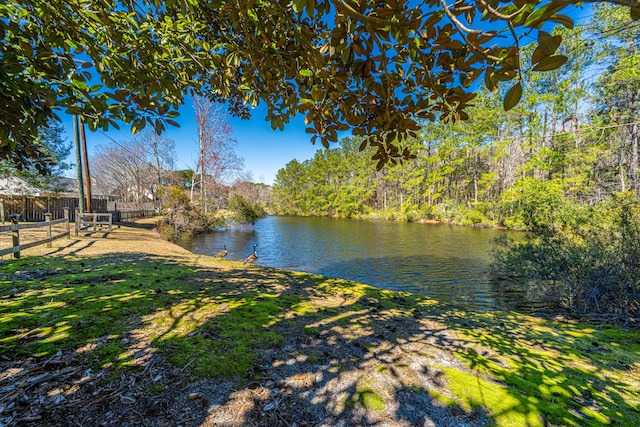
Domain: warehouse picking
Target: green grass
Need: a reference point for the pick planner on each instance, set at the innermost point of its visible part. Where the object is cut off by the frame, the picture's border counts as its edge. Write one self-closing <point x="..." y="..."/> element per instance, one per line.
<point x="63" y="304"/>
<point x="367" y="398"/>
<point x="211" y="322"/>
<point x="531" y="371"/>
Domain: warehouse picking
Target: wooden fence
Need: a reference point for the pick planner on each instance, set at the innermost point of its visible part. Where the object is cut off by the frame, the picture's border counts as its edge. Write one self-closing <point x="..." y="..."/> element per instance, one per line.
<point x="87" y="220"/>
<point x="119" y="216"/>
<point x="114" y="205"/>
<point x="83" y="222"/>
<point x="35" y="208"/>
<point x="15" y="228"/>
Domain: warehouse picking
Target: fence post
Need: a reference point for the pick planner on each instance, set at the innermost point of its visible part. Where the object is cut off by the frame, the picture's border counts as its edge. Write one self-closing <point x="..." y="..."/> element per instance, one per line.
<point x="77" y="221"/>
<point x="15" y="234"/>
<point x="2" y="210"/>
<point x="47" y="219"/>
<point x="65" y="212"/>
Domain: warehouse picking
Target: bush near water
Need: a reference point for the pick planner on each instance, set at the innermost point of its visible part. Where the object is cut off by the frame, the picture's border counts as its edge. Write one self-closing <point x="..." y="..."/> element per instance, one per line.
<point x="587" y="258"/>
<point x="183" y="218"/>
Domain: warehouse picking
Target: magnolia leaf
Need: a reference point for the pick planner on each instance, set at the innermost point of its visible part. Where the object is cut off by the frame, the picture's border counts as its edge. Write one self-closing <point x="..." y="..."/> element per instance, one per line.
<point x="534" y="17"/>
<point x="511" y="62"/>
<point x="548" y="44"/>
<point x="537" y="56"/>
<point x="299" y="5"/>
<point x="540" y="15"/>
<point x="113" y="123"/>
<point x="138" y="125"/>
<point x="490" y="81"/>
<point x="551" y="63"/>
<point x="159" y="126"/>
<point x="563" y="19"/>
<point x="306" y="73"/>
<point x="512" y="96"/>
<point x="316" y="93"/>
<point x="505" y="75"/>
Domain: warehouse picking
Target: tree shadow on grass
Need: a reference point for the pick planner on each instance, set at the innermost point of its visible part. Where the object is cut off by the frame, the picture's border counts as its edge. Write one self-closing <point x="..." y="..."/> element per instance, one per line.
<point x="496" y="375"/>
<point x="226" y="344"/>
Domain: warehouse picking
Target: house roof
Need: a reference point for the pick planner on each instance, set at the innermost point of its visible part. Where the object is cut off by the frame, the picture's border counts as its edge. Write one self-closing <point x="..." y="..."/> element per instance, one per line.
<point x="14" y="186"/>
<point x="62" y="184"/>
<point x="57" y="185"/>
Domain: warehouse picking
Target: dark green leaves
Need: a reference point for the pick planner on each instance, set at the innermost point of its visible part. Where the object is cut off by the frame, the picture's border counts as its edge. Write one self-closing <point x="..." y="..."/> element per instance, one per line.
<point x="548" y="44"/>
<point x="512" y="97"/>
<point x="551" y="63"/>
<point x="543" y="14"/>
<point x="377" y="68"/>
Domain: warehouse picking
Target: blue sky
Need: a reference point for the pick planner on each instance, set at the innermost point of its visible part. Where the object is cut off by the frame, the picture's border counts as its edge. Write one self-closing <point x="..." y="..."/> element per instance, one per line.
<point x="264" y="151"/>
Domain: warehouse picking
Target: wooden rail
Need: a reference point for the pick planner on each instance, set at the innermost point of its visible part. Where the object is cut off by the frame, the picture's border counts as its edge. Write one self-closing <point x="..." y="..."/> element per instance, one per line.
<point x="86" y="220"/>
<point x="128" y="215"/>
<point x="15" y="228"/>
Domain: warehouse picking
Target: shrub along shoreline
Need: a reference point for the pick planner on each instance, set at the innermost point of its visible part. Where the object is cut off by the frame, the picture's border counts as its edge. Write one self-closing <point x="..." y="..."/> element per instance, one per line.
<point x="133" y="329"/>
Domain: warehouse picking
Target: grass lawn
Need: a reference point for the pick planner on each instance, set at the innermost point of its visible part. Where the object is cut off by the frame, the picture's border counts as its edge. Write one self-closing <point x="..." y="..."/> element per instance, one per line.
<point x="152" y="335"/>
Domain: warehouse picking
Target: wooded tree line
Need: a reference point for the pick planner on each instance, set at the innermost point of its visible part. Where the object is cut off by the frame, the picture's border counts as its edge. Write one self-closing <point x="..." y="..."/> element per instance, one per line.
<point x="573" y="138"/>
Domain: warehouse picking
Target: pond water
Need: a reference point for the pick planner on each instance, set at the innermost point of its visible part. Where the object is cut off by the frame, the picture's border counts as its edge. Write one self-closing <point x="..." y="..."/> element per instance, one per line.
<point x="446" y="263"/>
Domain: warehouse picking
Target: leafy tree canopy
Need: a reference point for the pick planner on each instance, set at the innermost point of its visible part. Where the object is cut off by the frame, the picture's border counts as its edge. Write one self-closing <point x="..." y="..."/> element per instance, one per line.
<point x="51" y="149"/>
<point x="377" y="67"/>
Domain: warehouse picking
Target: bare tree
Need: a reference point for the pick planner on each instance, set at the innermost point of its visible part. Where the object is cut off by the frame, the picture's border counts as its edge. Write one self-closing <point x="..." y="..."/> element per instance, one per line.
<point x="121" y="169"/>
<point x="218" y="164"/>
<point x="135" y="169"/>
<point x="256" y="193"/>
<point x="160" y="152"/>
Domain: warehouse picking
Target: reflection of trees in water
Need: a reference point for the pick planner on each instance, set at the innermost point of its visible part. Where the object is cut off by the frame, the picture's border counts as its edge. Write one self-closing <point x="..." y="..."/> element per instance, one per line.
<point x="457" y="281"/>
<point x="447" y="264"/>
<point x="524" y="296"/>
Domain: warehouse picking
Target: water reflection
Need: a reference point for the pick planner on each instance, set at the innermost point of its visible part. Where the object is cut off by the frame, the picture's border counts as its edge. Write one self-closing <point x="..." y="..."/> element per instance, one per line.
<point x="444" y="262"/>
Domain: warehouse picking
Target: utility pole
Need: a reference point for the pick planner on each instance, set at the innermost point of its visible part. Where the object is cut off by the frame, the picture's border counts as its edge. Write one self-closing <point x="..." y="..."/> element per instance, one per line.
<point x="76" y="139"/>
<point x="85" y="159"/>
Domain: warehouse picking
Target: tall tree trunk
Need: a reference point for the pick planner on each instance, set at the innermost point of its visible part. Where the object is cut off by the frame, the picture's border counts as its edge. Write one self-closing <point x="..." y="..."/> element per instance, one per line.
<point x="193" y="185"/>
<point x="633" y="169"/>
<point x="156" y="155"/>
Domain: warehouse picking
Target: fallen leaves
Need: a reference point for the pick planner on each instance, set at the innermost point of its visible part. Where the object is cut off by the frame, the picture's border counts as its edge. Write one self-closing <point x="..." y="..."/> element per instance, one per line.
<point x="40" y="386"/>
